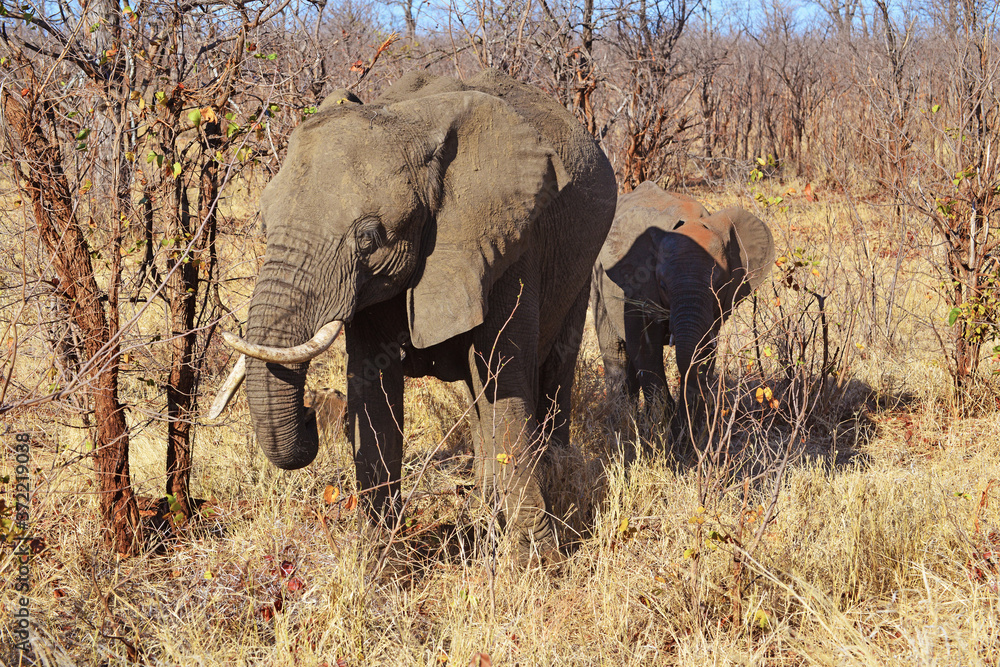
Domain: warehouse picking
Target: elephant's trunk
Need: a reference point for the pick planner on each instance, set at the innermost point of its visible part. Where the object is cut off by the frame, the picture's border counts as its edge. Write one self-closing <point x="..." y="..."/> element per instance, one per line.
<point x="693" y="315"/>
<point x="281" y="316"/>
<point x="275" y="395"/>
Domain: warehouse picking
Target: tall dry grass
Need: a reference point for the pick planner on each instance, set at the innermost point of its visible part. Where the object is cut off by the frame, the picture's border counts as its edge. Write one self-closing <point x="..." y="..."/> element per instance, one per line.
<point x="878" y="546"/>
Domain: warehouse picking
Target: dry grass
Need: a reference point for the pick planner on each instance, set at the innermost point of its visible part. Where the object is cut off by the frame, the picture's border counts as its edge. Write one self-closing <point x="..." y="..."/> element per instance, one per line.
<point x="878" y="553"/>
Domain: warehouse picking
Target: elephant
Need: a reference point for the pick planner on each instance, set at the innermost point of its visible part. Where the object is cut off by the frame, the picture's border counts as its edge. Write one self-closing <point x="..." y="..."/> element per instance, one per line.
<point x="671" y="273"/>
<point x="449" y="228"/>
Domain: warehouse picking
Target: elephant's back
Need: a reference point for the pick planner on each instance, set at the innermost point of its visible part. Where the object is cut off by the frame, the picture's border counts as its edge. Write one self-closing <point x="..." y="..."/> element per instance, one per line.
<point x="417" y="84"/>
<point x="581" y="156"/>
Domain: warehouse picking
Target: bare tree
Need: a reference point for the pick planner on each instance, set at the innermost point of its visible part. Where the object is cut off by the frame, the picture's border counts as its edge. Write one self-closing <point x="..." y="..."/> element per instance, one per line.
<point x="654" y="85"/>
<point x="160" y="125"/>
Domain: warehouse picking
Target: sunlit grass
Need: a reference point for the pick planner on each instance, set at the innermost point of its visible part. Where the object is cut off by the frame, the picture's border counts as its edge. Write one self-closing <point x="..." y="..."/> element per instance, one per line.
<point x="882" y="549"/>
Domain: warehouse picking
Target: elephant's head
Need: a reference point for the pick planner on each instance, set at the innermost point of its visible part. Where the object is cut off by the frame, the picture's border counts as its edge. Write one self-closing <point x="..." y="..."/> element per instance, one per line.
<point x="630" y="257"/>
<point x="414" y="197"/>
<point x="704" y="268"/>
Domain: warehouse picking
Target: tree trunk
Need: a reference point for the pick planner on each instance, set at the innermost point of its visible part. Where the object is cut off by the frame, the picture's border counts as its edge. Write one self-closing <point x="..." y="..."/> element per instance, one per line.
<point x="41" y="176"/>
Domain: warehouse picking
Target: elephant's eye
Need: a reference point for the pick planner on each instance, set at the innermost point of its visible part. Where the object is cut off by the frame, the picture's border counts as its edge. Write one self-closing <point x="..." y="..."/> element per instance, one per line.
<point x="370" y="237"/>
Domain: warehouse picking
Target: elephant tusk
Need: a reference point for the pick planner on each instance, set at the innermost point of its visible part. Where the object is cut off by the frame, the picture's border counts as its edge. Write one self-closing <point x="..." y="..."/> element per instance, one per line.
<point x="288" y="355"/>
<point x="229" y="387"/>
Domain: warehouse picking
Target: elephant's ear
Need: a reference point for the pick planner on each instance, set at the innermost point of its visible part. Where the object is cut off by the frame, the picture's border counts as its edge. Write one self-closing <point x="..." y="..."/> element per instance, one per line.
<point x="635" y="272"/>
<point x="490" y="177"/>
<point x="749" y="244"/>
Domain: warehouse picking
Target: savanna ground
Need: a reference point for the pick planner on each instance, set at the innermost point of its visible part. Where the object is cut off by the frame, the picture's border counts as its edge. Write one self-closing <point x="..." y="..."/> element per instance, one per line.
<point x="846" y="512"/>
<point x="880" y="549"/>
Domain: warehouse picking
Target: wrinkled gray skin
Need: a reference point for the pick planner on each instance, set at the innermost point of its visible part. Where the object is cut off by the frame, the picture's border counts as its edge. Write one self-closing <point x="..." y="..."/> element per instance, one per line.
<point x="670" y="273"/>
<point x="453" y="228"/>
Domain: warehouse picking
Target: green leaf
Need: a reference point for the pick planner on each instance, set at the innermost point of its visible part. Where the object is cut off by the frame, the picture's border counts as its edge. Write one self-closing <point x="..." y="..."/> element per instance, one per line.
<point x="954" y="315"/>
<point x="83" y="134"/>
<point x="195" y="117"/>
<point x="935" y="108"/>
<point x="177" y="169"/>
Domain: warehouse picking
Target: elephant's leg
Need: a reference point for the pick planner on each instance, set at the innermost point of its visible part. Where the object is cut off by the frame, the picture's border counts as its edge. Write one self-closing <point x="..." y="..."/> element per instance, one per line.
<point x="556" y="374"/>
<point x="505" y="380"/>
<point x="644" y="344"/>
<point x="375" y="410"/>
<point x="632" y="379"/>
<point x="616" y="363"/>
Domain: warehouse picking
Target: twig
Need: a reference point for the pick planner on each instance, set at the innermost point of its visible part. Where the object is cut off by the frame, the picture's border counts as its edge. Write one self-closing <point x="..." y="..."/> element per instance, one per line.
<point x="364" y="69"/>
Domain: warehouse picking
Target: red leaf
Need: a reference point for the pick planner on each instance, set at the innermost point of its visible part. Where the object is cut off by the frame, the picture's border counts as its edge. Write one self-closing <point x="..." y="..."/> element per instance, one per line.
<point x="287" y="567"/>
<point x="481" y="660"/>
<point x="295" y="584"/>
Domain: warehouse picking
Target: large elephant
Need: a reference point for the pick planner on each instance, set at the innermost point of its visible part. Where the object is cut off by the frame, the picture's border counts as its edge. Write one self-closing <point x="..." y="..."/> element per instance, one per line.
<point x="451" y="228"/>
<point x="670" y="273"/>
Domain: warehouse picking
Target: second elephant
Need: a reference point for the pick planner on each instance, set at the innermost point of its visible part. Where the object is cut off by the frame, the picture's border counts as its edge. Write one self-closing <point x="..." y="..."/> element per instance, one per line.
<point x="670" y="273"/>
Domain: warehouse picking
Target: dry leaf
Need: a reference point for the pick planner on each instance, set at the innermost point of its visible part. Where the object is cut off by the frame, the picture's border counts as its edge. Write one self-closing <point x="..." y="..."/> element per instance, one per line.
<point x="481" y="660"/>
<point x="351" y="503"/>
<point x="330" y="494"/>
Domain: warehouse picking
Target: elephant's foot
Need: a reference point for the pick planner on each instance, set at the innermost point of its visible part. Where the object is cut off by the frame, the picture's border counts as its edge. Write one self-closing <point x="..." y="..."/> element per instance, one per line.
<point x="528" y="529"/>
<point x="536" y="542"/>
<point x="531" y="553"/>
